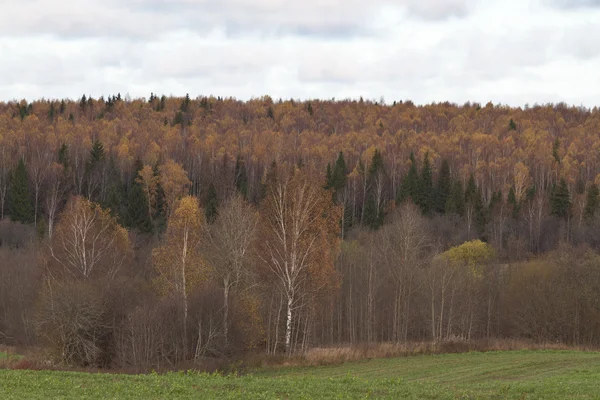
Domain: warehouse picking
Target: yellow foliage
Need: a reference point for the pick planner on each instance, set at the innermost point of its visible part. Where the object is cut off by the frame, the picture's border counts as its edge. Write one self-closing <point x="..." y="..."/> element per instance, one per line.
<point x="474" y="255"/>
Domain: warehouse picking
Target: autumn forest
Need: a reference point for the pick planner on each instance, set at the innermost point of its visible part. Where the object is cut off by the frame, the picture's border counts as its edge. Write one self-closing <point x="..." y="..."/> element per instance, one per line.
<point x="156" y="231"/>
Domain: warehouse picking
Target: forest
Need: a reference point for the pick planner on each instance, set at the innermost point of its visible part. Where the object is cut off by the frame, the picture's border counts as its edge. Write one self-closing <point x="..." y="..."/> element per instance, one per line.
<point x="156" y="231"/>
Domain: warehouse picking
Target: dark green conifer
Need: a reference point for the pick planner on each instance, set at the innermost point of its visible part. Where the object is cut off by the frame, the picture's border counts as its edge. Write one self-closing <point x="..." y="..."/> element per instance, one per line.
<point x="20" y="204"/>
<point x="211" y="204"/>
<point x="410" y="184"/>
<point x="443" y="188"/>
<point x="456" y="201"/>
<point x="560" y="200"/>
<point x="425" y="193"/>
<point x="592" y="201"/>
<point x="137" y="216"/>
<point x="63" y="156"/>
<point x="241" y="177"/>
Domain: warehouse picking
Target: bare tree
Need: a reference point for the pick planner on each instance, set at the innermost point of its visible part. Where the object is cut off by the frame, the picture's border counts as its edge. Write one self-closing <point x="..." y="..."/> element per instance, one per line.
<point x="404" y="248"/>
<point x="230" y="239"/>
<point x="88" y="242"/>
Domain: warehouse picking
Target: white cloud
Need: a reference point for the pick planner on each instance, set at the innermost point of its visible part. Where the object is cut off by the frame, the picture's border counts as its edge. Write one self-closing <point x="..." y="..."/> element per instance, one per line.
<point x="512" y="52"/>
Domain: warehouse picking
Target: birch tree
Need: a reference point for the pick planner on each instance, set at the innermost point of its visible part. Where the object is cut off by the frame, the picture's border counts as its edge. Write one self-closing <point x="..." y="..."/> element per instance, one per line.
<point x="178" y="263"/>
<point x="300" y="228"/>
<point x="88" y="242"/>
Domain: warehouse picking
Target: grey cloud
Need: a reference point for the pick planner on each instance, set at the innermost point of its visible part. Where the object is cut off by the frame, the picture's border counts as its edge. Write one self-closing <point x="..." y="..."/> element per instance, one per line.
<point x="138" y="19"/>
<point x="439" y="10"/>
<point x="573" y="4"/>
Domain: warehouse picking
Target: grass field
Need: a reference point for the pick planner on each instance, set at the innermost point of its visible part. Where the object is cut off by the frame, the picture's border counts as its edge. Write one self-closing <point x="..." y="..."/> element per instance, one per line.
<point x="493" y="375"/>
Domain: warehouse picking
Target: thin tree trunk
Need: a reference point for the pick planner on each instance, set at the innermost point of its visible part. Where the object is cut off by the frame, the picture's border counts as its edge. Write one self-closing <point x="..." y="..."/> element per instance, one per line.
<point x="288" y="323"/>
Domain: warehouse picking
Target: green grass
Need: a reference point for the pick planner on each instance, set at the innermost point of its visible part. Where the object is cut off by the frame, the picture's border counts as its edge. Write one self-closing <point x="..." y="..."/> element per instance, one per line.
<point x="492" y="375"/>
<point x="6" y="356"/>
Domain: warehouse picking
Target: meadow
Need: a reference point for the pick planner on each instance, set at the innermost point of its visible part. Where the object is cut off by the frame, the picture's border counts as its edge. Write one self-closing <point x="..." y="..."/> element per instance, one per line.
<point x="527" y="374"/>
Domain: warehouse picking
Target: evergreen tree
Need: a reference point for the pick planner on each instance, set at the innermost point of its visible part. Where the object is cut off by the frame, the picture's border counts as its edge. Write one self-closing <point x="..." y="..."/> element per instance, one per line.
<point x="338" y="176"/>
<point x="115" y="194"/>
<point x="51" y="112"/>
<point x="160" y="214"/>
<point x="512" y="126"/>
<point x="456" y="201"/>
<point x="410" y="184"/>
<point x="63" y="155"/>
<point x="309" y="109"/>
<point x="372" y="218"/>
<point x="560" y="200"/>
<point x="97" y="153"/>
<point x="555" y="148"/>
<point x="328" y="177"/>
<point x="377" y="164"/>
<point x="137" y="216"/>
<point x="93" y="169"/>
<point x="178" y="118"/>
<point x="185" y="104"/>
<point x="335" y="177"/>
<point x="471" y="191"/>
<point x="241" y="177"/>
<point x="20" y="204"/>
<point x="425" y="187"/>
<point x="474" y="203"/>
<point x="592" y="201"/>
<point x="443" y="188"/>
<point x="270" y="113"/>
<point x="496" y="200"/>
<point x="211" y="206"/>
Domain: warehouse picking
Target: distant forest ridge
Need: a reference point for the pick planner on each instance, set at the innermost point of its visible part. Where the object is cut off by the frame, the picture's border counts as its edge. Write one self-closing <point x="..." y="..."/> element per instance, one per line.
<point x="498" y="152"/>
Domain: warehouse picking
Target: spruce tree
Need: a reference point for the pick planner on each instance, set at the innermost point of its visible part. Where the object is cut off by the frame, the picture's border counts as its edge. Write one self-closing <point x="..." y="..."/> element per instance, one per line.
<point x="371" y="216"/>
<point x="425" y="187"/>
<point x="115" y="194"/>
<point x="474" y="203"/>
<point x="471" y="191"/>
<point x="338" y="176"/>
<point x="592" y="201"/>
<point x="137" y="215"/>
<point x="160" y="214"/>
<point x="63" y="156"/>
<point x="555" y="148"/>
<point x="443" y="188"/>
<point x="93" y="169"/>
<point x="410" y="184"/>
<point x="560" y="200"/>
<point x="456" y="201"/>
<point x="328" y="177"/>
<point x="20" y="204"/>
<point x="241" y="177"/>
<point x="211" y="204"/>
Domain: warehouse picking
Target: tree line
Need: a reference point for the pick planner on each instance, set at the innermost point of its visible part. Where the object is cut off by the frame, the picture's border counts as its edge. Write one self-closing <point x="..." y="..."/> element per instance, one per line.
<point x="243" y="230"/>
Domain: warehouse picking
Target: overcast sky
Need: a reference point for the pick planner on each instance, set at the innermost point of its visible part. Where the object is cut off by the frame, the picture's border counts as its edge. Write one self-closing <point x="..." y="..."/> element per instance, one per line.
<point x="510" y="51"/>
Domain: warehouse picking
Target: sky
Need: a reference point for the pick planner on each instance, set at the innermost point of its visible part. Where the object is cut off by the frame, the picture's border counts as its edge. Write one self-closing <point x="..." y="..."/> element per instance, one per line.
<point x="513" y="52"/>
